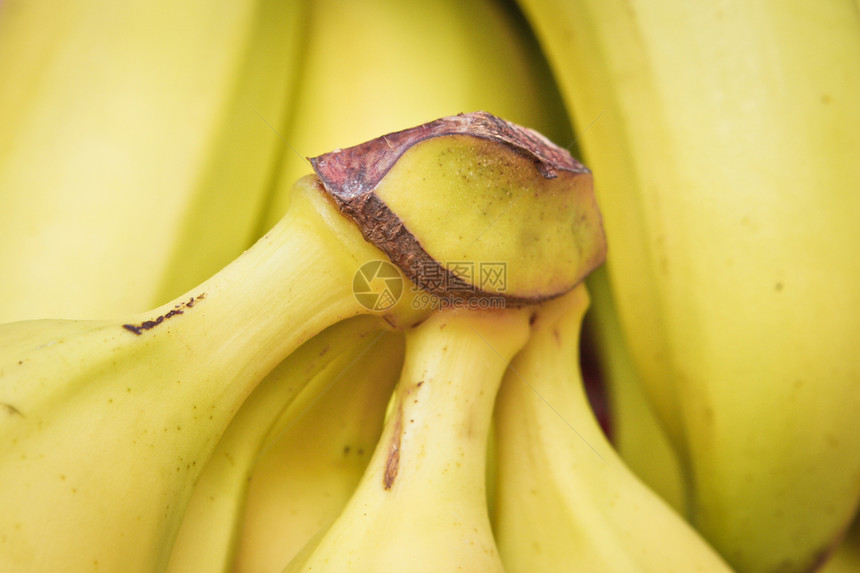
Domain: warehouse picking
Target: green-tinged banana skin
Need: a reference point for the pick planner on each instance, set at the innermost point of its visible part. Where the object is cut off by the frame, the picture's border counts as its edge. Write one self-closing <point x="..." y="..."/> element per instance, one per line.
<point x="134" y="161"/>
<point x="637" y="435"/>
<point x="725" y="160"/>
<point x="565" y="500"/>
<point x="421" y="504"/>
<point x="302" y="482"/>
<point x="107" y="424"/>
<point x="210" y="528"/>
<point x="374" y="66"/>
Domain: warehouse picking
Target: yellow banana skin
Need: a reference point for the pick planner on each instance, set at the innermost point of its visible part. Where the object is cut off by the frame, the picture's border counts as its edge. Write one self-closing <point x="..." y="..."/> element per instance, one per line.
<point x="133" y="163"/>
<point x="107" y="424"/>
<point x="565" y="501"/>
<point x="421" y="504"/>
<point x="636" y="433"/>
<point x="207" y="539"/>
<point x="725" y="159"/>
<point x="304" y="479"/>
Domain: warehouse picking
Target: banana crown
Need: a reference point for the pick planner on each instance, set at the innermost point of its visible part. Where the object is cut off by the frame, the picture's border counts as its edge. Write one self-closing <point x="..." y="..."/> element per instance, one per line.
<point x="462" y="196"/>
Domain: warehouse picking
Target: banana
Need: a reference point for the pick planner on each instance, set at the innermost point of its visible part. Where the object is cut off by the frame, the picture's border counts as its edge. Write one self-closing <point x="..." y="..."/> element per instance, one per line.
<point x="636" y="432"/>
<point x="107" y="424"/>
<point x="371" y="67"/>
<point x="133" y="163"/>
<point x="565" y="500"/>
<point x="725" y="155"/>
<point x="209" y="534"/>
<point x="421" y="504"/>
<point x="303" y="481"/>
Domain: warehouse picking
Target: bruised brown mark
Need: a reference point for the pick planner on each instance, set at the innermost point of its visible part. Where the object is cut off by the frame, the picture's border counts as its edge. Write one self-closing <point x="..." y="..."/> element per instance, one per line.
<point x="12" y="409"/>
<point x="393" y="462"/>
<point x="177" y="309"/>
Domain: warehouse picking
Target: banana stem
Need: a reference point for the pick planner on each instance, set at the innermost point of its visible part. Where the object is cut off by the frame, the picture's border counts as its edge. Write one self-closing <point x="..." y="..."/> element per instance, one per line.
<point x="421" y="505"/>
<point x="445" y="396"/>
<point x="294" y="282"/>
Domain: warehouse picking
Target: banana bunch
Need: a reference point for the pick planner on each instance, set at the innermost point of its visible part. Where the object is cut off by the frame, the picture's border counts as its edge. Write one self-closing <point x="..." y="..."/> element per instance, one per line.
<point x="217" y="355"/>
<point x="128" y="443"/>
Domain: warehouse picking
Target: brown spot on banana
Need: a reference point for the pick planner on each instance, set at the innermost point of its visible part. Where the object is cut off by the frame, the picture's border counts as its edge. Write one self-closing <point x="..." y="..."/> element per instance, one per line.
<point x="393" y="462"/>
<point x="12" y="409"/>
<point x="178" y="309"/>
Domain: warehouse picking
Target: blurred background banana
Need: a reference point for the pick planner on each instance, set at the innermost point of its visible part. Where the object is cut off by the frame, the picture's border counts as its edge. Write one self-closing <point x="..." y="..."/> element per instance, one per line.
<point x="134" y="162"/>
<point x="376" y="66"/>
<point x="725" y="152"/>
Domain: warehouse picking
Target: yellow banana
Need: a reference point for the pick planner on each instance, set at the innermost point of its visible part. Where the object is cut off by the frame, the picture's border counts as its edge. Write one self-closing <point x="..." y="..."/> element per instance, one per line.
<point x="207" y="539"/>
<point x="107" y="424"/>
<point x="565" y="500"/>
<point x="421" y="504"/>
<point x="302" y="482"/>
<point x="133" y="162"/>
<point x="374" y="66"/>
<point x="724" y="138"/>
